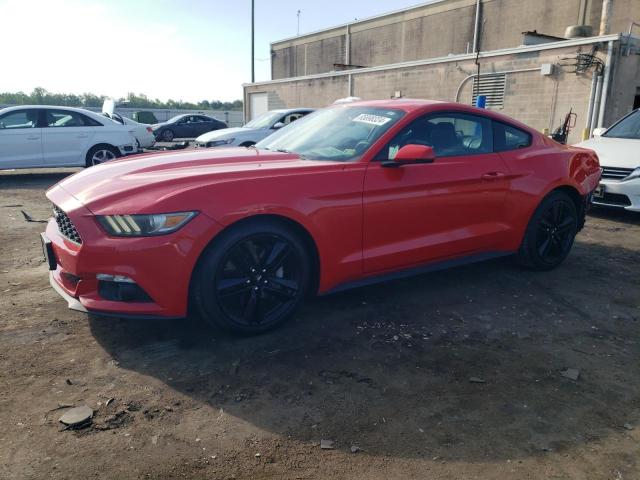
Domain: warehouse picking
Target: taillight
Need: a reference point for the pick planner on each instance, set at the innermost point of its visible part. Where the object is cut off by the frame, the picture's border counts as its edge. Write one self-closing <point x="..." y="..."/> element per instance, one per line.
<point x="149" y="129"/>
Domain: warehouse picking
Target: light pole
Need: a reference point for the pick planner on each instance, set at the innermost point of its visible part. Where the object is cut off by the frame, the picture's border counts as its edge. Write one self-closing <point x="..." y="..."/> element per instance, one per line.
<point x="253" y="43"/>
<point x="299" y="22"/>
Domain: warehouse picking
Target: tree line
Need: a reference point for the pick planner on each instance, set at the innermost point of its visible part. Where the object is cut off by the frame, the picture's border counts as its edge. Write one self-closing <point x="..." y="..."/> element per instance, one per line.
<point x="40" y="96"/>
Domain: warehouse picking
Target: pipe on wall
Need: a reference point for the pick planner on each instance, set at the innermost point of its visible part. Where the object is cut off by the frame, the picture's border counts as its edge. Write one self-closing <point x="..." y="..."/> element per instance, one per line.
<point x="596" y="106"/>
<point x="476" y="29"/>
<point x="592" y="98"/>
<point x="347" y="46"/>
<point x="605" y="17"/>
<point x="605" y="84"/>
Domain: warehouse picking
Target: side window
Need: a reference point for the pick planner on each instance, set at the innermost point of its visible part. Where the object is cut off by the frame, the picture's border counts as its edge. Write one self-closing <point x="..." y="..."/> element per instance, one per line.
<point x="450" y="134"/>
<point x="65" y="118"/>
<point x="507" y="137"/>
<point x="292" y="117"/>
<point x="19" y="119"/>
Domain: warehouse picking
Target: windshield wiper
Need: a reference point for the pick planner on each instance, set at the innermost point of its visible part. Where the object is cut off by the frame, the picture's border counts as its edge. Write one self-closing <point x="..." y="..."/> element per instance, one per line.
<point x="284" y="150"/>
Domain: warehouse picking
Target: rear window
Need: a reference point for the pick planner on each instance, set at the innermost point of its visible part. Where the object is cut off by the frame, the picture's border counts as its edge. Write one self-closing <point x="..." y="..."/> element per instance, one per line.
<point x="507" y="137"/>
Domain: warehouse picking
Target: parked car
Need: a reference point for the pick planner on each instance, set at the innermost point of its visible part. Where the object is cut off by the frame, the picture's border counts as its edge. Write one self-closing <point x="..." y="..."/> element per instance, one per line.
<point x="253" y="131"/>
<point x="353" y="194"/>
<point x="47" y="136"/>
<point x="142" y="132"/>
<point x="617" y="148"/>
<point x="186" y="126"/>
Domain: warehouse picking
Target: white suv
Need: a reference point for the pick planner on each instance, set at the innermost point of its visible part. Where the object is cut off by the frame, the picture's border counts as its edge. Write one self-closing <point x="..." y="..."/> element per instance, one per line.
<point x="46" y="136"/>
<point x="618" y="149"/>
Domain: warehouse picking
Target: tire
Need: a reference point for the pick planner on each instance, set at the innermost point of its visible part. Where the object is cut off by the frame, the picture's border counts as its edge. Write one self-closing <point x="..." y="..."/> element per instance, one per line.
<point x="550" y="233"/>
<point x="252" y="278"/>
<point x="101" y="153"/>
<point x="167" y="135"/>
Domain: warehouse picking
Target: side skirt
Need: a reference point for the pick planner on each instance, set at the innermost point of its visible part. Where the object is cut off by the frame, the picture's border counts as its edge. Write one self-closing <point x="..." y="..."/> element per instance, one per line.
<point x="412" y="271"/>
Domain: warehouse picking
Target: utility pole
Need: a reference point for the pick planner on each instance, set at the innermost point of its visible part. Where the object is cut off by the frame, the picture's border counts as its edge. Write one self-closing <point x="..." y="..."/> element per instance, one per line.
<point x="298" y="34"/>
<point x="253" y="42"/>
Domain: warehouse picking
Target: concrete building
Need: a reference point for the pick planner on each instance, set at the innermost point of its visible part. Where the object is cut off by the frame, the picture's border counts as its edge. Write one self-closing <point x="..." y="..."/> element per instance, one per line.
<point x="532" y="66"/>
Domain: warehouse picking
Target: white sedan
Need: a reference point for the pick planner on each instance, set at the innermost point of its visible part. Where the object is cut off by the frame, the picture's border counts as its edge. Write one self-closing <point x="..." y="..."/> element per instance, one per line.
<point x="143" y="132"/>
<point x="47" y="136"/>
<point x="617" y="148"/>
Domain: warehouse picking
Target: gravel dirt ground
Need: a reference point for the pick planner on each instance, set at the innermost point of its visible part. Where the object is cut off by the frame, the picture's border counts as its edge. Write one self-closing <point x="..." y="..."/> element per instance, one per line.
<point x="450" y="375"/>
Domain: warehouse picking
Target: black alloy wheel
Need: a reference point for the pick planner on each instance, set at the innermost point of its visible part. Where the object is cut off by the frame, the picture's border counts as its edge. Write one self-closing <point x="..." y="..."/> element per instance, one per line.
<point x="556" y="232"/>
<point x="249" y="283"/>
<point x="258" y="279"/>
<point x="551" y="232"/>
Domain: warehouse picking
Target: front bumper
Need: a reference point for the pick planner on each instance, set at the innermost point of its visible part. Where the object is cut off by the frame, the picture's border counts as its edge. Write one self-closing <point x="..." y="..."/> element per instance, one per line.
<point x="128" y="149"/>
<point x="161" y="266"/>
<point x="620" y="194"/>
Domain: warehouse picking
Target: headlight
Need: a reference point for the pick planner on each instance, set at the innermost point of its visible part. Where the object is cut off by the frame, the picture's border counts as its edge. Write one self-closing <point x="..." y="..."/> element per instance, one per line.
<point x="144" y="225"/>
<point x="217" y="143"/>
<point x="632" y="175"/>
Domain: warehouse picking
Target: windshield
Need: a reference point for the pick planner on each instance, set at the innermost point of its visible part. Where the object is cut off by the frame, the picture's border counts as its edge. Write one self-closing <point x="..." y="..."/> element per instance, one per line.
<point x="264" y="121"/>
<point x="175" y="119"/>
<point x="338" y="133"/>
<point x="628" y="127"/>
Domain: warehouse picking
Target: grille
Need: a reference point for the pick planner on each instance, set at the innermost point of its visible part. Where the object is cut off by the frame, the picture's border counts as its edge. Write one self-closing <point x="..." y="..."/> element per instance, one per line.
<point x="66" y="226"/>
<point x="614" y="173"/>
<point x="613" y="199"/>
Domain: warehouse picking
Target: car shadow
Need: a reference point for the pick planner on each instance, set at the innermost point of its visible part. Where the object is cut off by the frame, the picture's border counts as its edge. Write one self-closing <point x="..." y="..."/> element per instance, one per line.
<point x="465" y="364"/>
<point x="615" y="214"/>
<point x="32" y="179"/>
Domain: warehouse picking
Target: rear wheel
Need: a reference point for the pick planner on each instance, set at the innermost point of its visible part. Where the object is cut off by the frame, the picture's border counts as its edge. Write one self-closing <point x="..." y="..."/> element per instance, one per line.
<point x="252" y="278"/>
<point x="167" y="135"/>
<point x="550" y="233"/>
<point x="100" y="154"/>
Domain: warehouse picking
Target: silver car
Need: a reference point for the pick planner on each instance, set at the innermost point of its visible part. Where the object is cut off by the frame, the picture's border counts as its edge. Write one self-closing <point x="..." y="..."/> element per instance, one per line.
<point x="252" y="132"/>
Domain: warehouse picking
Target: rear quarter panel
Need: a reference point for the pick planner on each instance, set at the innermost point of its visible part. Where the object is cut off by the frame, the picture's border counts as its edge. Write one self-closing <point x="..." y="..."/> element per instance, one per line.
<point x="541" y="168"/>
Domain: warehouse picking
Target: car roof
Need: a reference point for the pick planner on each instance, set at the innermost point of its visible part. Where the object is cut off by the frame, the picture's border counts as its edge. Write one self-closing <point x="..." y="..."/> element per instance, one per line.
<point x="412" y="104"/>
<point x="290" y="110"/>
<point x="56" y="107"/>
<point x="94" y="115"/>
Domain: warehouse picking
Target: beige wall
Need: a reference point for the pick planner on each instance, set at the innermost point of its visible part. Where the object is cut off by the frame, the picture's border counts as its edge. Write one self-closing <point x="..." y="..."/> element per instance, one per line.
<point x="440" y="29"/>
<point x="537" y="100"/>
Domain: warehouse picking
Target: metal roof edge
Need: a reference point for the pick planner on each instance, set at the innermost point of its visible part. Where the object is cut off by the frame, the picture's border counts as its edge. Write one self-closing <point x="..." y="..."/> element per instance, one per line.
<point x="362" y="20"/>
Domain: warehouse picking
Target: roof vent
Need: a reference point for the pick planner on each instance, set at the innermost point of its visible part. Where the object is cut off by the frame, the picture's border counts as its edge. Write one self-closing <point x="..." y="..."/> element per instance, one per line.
<point x="578" y="31"/>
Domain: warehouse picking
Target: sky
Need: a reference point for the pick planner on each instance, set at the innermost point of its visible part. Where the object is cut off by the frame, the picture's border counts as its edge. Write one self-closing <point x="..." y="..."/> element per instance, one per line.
<point x="188" y="50"/>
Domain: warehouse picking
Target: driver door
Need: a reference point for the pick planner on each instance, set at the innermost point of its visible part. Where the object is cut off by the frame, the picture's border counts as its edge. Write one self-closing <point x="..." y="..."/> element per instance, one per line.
<point x="424" y="212"/>
<point x="20" y="139"/>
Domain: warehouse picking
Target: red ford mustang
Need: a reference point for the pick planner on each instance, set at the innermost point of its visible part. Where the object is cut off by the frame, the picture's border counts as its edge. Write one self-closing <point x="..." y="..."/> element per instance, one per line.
<point x="349" y="195"/>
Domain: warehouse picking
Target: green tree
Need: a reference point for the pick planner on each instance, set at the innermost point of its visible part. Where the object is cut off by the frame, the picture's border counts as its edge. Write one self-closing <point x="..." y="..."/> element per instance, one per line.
<point x="40" y="96"/>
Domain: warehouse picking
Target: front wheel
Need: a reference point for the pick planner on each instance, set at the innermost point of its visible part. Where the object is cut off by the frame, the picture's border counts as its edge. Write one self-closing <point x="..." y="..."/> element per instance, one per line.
<point x="550" y="233"/>
<point x="252" y="278"/>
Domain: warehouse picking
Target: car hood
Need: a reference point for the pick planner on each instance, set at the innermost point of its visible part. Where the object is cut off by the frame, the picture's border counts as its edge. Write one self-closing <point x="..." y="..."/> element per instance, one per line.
<point x="153" y="183"/>
<point x="226" y="133"/>
<point x="615" y="152"/>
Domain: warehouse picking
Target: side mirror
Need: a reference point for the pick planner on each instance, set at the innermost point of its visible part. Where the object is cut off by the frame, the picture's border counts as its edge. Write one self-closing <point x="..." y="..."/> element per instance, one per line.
<point x="597" y="132"/>
<point x="411" y="154"/>
<point x="277" y="125"/>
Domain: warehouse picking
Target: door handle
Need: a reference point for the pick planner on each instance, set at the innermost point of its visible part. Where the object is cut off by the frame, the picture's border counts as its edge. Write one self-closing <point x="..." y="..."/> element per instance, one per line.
<point x="83" y="135"/>
<point x="492" y="176"/>
<point x="34" y="138"/>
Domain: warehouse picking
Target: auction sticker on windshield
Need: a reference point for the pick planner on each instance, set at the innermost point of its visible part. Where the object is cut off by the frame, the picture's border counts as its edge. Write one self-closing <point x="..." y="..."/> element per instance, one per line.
<point x="371" y="119"/>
